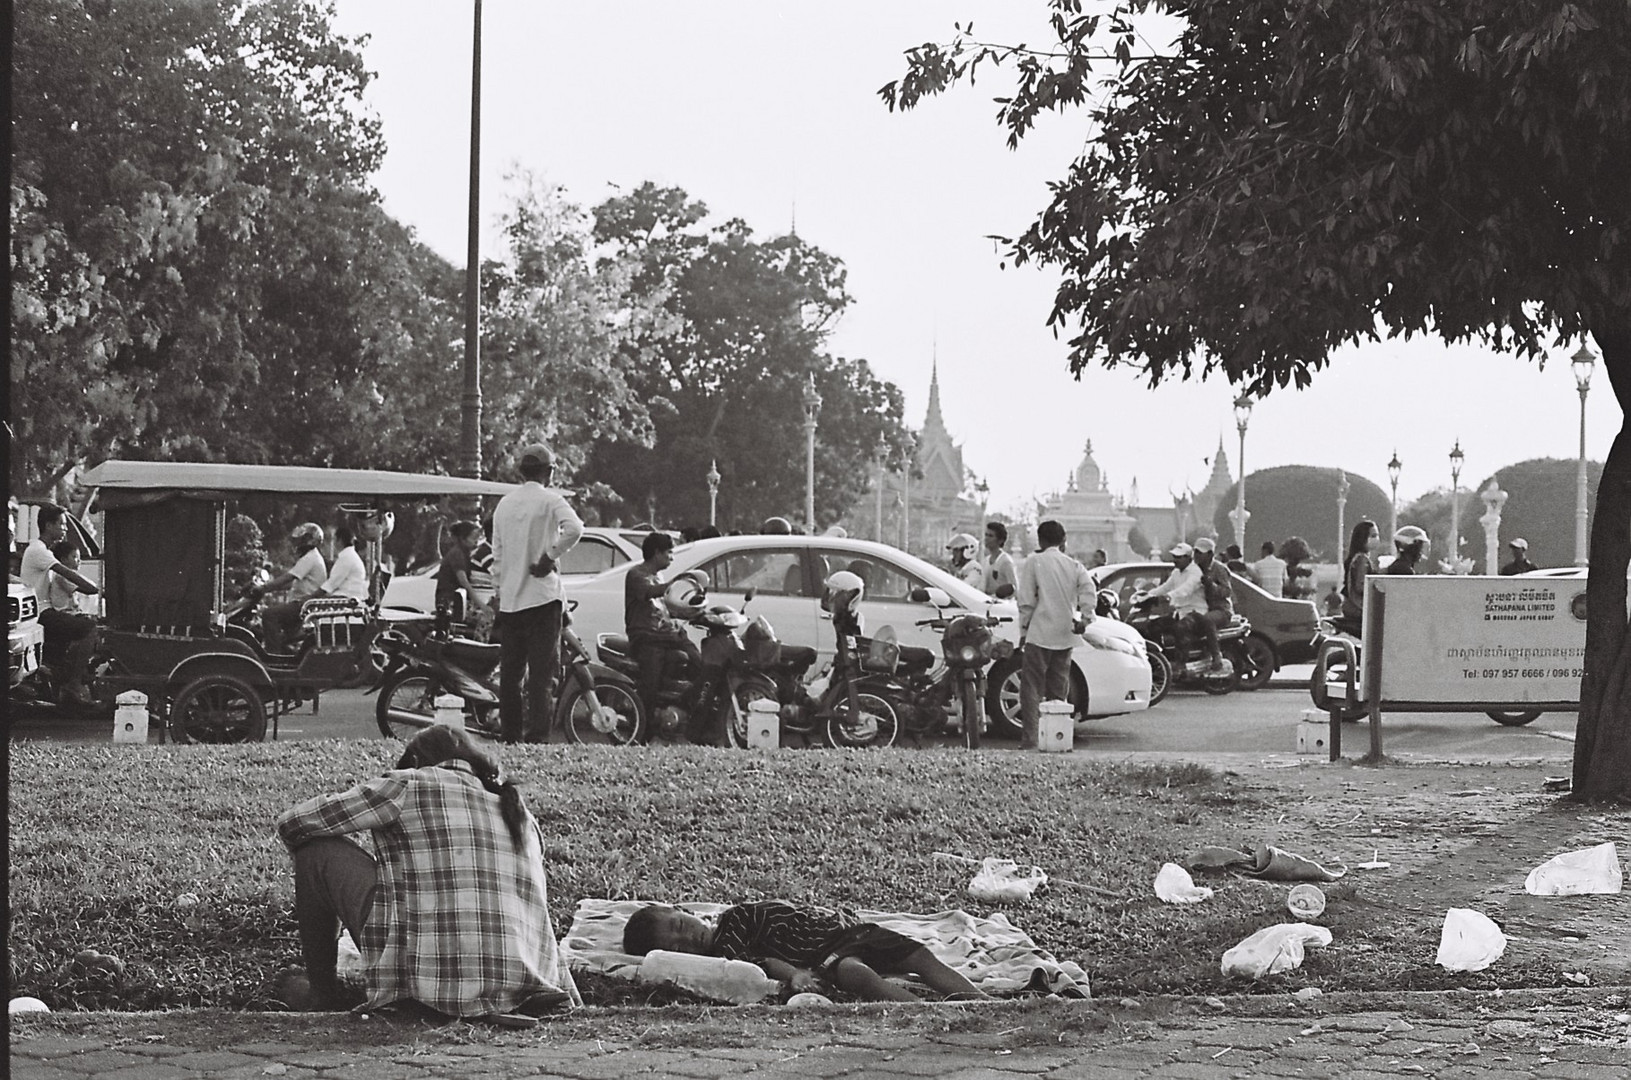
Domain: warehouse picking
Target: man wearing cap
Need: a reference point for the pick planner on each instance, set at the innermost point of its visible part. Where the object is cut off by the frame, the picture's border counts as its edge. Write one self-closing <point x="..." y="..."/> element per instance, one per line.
<point x="1219" y="592"/>
<point x="963" y="563"/>
<point x="1182" y="590"/>
<point x="532" y="528"/>
<point x="1520" y="563"/>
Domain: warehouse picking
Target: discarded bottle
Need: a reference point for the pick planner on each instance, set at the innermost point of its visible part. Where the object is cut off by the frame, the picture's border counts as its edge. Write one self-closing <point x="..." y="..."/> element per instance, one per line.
<point x="735" y="981"/>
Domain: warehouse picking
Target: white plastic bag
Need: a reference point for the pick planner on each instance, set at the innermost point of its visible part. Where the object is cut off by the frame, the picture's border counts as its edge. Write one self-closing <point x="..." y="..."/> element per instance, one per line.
<point x="1470" y="942"/>
<point x="1576" y="873"/>
<point x="1005" y="881"/>
<point x="1174" y="885"/>
<point x="1273" y="949"/>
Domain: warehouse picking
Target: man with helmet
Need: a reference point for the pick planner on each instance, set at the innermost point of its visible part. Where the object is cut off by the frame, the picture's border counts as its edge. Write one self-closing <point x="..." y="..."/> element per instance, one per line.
<point x="776" y="526"/>
<point x="282" y="621"/>
<point x="653" y="636"/>
<point x="1411" y="545"/>
<point x="963" y="563"/>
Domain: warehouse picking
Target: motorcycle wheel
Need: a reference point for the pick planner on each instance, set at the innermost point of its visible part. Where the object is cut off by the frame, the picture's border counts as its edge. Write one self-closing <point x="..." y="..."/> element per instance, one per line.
<point x="874" y="726"/>
<point x="578" y="714"/>
<point x="751" y="689"/>
<point x="1160" y="676"/>
<point x="406" y="705"/>
<point x="1218" y="686"/>
<point x="969" y="691"/>
<point x="1002" y="698"/>
<point x="1260" y="660"/>
<point x="1513" y="719"/>
<point x="217" y="709"/>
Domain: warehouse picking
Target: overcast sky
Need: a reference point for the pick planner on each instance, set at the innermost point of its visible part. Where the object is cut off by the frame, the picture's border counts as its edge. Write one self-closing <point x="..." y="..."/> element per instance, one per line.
<point x="765" y="109"/>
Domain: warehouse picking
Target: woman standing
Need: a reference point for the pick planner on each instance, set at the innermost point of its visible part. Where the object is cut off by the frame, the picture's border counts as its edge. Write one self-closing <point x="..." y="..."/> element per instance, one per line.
<point x="1355" y="568"/>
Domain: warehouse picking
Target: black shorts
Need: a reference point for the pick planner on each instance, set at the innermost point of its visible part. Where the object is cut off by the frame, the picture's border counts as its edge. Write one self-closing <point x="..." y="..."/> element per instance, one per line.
<point x="66" y="627"/>
<point x="879" y="947"/>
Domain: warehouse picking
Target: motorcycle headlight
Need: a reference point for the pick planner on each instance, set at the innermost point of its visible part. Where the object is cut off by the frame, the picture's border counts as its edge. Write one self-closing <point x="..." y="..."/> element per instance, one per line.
<point x="969" y="654"/>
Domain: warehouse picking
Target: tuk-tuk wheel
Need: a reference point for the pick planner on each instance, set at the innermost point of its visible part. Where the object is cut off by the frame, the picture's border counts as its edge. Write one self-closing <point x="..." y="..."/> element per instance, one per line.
<point x="217" y="709"/>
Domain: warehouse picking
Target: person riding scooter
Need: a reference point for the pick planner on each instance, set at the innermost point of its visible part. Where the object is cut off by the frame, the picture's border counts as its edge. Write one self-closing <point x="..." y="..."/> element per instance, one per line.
<point x="1411" y="544"/>
<point x="282" y="621"/>
<point x="656" y="639"/>
<point x="1182" y="590"/>
<point x="1219" y="593"/>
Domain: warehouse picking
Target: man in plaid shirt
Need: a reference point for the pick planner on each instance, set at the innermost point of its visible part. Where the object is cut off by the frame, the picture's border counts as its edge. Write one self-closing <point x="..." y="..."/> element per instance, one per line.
<point x="453" y="913"/>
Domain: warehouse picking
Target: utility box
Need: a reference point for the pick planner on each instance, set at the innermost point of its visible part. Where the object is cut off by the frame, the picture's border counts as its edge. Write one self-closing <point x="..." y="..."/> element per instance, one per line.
<point x="1314" y="732"/>
<point x="764" y="725"/>
<point x="450" y="710"/>
<point x="1055" y="733"/>
<point x="130" y="718"/>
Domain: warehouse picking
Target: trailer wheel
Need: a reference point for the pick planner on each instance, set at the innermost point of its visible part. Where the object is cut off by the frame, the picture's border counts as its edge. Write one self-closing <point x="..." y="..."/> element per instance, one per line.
<point x="217" y="709"/>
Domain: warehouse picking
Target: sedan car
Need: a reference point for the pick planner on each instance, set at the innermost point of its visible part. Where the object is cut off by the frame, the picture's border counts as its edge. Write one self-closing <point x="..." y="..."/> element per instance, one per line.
<point x="1288" y="627"/>
<point x="1110" y="670"/>
<point x="599" y="550"/>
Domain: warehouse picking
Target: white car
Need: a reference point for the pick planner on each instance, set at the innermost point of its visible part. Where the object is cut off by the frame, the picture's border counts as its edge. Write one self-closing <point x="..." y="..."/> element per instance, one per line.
<point x="1110" y="669"/>
<point x="599" y="550"/>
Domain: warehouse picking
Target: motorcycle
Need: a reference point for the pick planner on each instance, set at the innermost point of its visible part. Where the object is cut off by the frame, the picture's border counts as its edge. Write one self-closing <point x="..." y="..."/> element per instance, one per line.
<point x="935" y="695"/>
<point x="1172" y="664"/>
<point x="596" y="704"/>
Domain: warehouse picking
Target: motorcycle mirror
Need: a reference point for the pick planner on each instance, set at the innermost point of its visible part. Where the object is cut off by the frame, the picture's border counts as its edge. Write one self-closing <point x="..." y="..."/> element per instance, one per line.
<point x="938" y="597"/>
<point x="747" y="597"/>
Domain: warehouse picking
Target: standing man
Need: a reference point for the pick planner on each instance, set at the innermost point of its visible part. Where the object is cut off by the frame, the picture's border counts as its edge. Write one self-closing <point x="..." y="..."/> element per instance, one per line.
<point x="1056" y="598"/>
<point x="963" y="563"/>
<point x="1001" y="580"/>
<point x="1520" y="563"/>
<point x="1270" y="570"/>
<point x="74" y="630"/>
<point x="532" y="528"/>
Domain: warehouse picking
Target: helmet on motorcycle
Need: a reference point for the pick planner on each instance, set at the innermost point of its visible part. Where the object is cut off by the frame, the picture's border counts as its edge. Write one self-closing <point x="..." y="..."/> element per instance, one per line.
<point x="842" y="589"/>
<point x="1107" y="604"/>
<point x="776" y="526"/>
<point x="308" y="535"/>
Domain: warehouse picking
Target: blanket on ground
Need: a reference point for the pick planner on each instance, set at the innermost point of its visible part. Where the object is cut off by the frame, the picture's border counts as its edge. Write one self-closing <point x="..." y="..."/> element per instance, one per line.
<point x="991" y="952"/>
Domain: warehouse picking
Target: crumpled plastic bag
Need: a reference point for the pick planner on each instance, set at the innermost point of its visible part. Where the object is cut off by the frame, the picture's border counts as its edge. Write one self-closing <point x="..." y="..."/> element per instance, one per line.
<point x="1577" y="873"/>
<point x="1005" y="881"/>
<point x="1273" y="949"/>
<point x="1174" y="885"/>
<point x="1470" y="942"/>
<point x="1267" y="861"/>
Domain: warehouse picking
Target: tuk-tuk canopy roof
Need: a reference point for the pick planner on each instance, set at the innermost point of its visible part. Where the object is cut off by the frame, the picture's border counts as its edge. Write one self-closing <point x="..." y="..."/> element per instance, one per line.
<point x="212" y="477"/>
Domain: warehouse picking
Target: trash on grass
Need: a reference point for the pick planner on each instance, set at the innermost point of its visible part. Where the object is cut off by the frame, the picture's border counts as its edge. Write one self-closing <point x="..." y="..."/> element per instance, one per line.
<point x="1374" y="863"/>
<point x="1005" y="881"/>
<point x="1470" y="942"/>
<point x="1217" y="857"/>
<point x="1577" y="873"/>
<point x="1305" y="901"/>
<point x="716" y="978"/>
<point x="1273" y="949"/>
<point x="1308" y="993"/>
<point x="26" y="1005"/>
<point x="1267" y="861"/>
<point x="1174" y="885"/>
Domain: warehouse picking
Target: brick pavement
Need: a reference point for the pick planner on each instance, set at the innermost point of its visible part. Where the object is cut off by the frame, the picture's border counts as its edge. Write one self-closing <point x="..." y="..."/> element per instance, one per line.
<point x="1449" y="1037"/>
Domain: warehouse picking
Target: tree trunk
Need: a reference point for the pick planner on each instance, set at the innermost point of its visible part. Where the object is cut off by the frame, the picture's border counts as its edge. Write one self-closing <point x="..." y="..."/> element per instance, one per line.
<point x="1602" y="747"/>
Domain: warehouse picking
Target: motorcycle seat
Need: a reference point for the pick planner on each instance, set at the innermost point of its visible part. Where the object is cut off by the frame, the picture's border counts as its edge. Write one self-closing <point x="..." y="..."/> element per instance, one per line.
<point x="618" y="643"/>
<point x="463" y="650"/>
<point x="798" y="657"/>
<point x="913" y="658"/>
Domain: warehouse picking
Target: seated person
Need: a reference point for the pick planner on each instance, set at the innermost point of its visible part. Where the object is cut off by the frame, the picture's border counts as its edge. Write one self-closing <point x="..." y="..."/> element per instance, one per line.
<point x="653" y="636"/>
<point x="65" y="628"/>
<point x="1219" y="593"/>
<point x="1182" y="590"/>
<point x="349" y="577"/>
<point x="281" y="622"/>
<point x="805" y="946"/>
<point x="454" y="573"/>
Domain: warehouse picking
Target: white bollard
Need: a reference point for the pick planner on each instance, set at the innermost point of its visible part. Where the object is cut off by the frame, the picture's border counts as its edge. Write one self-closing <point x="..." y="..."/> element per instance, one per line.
<point x="764" y="725"/>
<point x="1055" y="733"/>
<point x="130" y="718"/>
<point x="1313" y="732"/>
<point x="450" y="710"/>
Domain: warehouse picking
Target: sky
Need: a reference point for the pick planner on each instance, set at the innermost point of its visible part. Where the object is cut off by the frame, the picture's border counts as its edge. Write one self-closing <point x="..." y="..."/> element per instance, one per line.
<point x="768" y="111"/>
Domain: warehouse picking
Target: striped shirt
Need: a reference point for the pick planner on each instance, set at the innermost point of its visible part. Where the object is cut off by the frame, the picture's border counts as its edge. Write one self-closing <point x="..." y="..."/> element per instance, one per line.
<point x="776" y="930"/>
<point x="461" y="917"/>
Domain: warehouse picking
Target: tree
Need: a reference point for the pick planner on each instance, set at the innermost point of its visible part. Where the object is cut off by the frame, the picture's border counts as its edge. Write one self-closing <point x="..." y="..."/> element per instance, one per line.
<point x="1540" y="506"/>
<point x="1289" y="178"/>
<point x="1301" y="500"/>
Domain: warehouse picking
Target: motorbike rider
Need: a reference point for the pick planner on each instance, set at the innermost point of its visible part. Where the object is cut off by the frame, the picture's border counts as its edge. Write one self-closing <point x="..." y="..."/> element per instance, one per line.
<point x="654" y="637"/>
<point x="281" y="621"/>
<point x="74" y="631"/>
<point x="963" y="563"/>
<point x="1183" y="592"/>
<point x="1219" y="592"/>
<point x="1411" y="544"/>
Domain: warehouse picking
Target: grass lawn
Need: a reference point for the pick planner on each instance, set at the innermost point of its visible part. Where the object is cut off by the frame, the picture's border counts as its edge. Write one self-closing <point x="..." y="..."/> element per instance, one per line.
<point x="105" y="839"/>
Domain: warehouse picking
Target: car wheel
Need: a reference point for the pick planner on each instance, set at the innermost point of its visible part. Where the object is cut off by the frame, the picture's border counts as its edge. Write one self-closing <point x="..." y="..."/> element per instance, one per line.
<point x="1002" y="698"/>
<point x="1260" y="663"/>
<point x="1513" y="719"/>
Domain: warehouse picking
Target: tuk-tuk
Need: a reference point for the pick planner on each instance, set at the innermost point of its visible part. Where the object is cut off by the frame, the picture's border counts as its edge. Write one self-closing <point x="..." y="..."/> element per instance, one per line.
<point x="166" y="631"/>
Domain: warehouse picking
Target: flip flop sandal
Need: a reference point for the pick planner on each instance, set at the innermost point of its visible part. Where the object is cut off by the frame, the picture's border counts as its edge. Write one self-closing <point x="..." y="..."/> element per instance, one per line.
<point x="543" y="1003"/>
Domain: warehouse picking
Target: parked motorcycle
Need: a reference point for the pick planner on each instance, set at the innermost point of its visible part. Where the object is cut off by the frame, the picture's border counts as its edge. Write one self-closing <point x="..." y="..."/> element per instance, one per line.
<point x="936" y="694"/>
<point x="425" y="660"/>
<point x="1172" y="664"/>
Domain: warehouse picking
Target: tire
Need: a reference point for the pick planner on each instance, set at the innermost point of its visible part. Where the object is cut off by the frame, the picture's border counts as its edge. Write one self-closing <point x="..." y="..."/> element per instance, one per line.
<point x="751" y="689"/>
<point x="577" y="714"/>
<point x="876" y="728"/>
<point x="1261" y="662"/>
<point x="969" y="691"/>
<point x="1160" y="677"/>
<point x="1218" y="687"/>
<point x="1336" y="672"/>
<point x="217" y="709"/>
<point x="406" y="705"/>
<point x="1513" y="719"/>
<point x="1002" y="698"/>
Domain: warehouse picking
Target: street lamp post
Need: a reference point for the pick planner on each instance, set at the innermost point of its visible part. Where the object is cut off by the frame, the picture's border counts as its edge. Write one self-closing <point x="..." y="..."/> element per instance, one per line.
<point x="1393" y="468"/>
<point x="1582" y="362"/>
<point x="1342" y="510"/>
<point x="1239" y="515"/>
<point x="1456" y="458"/>
<point x="883" y="460"/>
<point x="1494" y="498"/>
<point x="713" y="491"/>
<point x="812" y="405"/>
<point x="470" y="399"/>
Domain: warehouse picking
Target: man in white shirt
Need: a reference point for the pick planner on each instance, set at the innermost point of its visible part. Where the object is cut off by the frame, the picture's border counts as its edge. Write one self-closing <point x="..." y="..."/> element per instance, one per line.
<point x="1185" y="590"/>
<point x="1270" y="570"/>
<point x="73" y="631"/>
<point x="349" y="577"/>
<point x="1056" y="599"/>
<point x="303" y="579"/>
<point x="533" y="527"/>
<point x="1001" y="579"/>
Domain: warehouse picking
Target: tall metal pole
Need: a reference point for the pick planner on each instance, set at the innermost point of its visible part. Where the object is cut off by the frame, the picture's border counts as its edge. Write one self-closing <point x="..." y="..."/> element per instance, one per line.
<point x="1394" y="466"/>
<point x="1342" y="509"/>
<point x="1582" y="362"/>
<point x="812" y="405"/>
<point x="713" y="478"/>
<point x="1456" y="458"/>
<point x="1239" y="516"/>
<point x="877" y="532"/>
<point x="470" y="401"/>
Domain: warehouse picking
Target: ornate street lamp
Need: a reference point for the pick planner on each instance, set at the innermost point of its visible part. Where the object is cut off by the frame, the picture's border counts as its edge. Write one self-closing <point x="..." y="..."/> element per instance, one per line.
<point x="1393" y="468"/>
<point x="883" y="461"/>
<point x="1582" y="362"/>
<point x="1342" y="509"/>
<point x="1494" y="498"/>
<point x="713" y="491"/>
<point x="1456" y="458"/>
<point x="812" y="405"/>
<point x="1238" y="516"/>
<point x="470" y="399"/>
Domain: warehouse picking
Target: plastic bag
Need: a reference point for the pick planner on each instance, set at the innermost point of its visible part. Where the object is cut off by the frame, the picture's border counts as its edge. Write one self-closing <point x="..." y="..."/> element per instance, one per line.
<point x="1577" y="873"/>
<point x="1273" y="949"/>
<point x="1174" y="885"/>
<point x="1004" y="880"/>
<point x="1470" y="942"/>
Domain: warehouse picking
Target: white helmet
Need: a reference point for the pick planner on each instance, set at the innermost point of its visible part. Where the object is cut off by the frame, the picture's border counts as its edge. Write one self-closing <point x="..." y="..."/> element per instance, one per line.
<point x="843" y="588"/>
<point x="309" y="534"/>
<point x="1412" y="535"/>
<point x="686" y="594"/>
<point x="962" y="542"/>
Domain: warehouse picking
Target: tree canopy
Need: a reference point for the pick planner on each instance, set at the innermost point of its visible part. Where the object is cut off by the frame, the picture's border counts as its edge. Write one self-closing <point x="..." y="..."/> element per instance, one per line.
<point x="1301" y="500"/>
